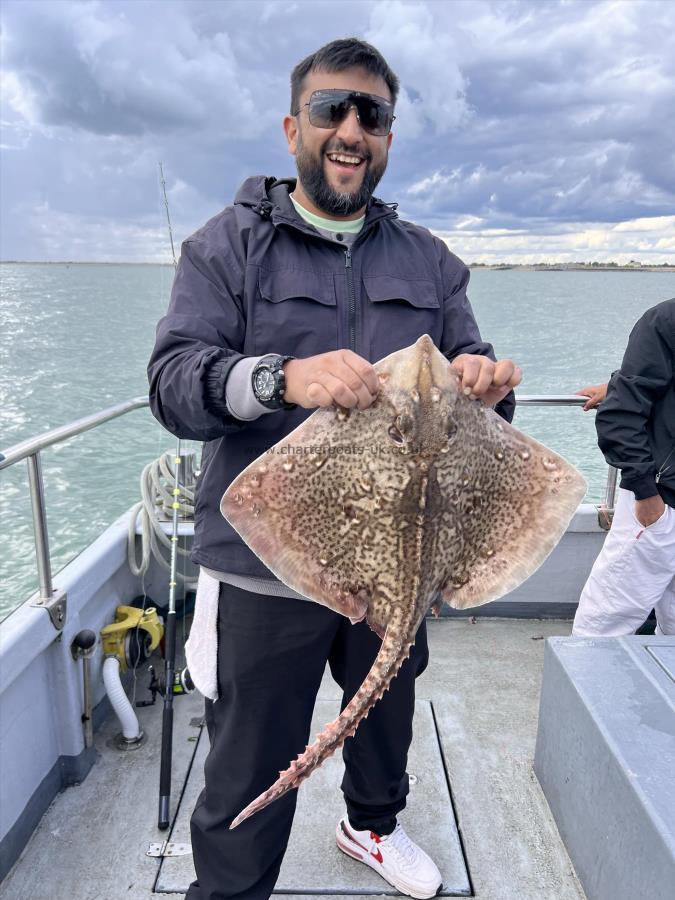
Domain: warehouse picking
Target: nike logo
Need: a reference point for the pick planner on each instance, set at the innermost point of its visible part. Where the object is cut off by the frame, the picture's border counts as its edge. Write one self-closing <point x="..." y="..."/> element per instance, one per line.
<point x="377" y="856"/>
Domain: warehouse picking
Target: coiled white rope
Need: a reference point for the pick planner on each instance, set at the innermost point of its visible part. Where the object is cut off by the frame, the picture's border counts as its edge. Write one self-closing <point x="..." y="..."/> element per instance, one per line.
<point x="157" y="482"/>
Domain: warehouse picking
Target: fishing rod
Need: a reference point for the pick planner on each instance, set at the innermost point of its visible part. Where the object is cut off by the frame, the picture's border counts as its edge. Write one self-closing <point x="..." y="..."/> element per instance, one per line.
<point x="170" y="642"/>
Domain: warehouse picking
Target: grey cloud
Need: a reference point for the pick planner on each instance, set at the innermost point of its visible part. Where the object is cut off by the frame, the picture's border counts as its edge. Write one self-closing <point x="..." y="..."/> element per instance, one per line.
<point x="132" y="69"/>
<point x="568" y="113"/>
<point x="514" y="112"/>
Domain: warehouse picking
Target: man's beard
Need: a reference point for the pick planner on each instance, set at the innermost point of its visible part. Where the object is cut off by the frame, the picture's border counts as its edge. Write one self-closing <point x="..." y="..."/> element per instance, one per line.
<point x="336" y="203"/>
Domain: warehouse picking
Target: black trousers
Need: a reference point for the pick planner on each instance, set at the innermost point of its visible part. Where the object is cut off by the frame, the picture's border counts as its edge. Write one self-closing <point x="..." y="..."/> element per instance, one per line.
<point x="272" y="652"/>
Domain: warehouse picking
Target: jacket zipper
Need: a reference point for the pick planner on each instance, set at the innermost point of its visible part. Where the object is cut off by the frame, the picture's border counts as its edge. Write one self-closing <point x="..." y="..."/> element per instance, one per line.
<point x="350" y="274"/>
<point x="352" y="300"/>
<point x="663" y="468"/>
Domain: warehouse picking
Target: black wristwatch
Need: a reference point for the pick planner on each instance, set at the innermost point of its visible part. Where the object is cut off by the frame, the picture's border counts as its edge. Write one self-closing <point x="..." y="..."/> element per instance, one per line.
<point x="269" y="381"/>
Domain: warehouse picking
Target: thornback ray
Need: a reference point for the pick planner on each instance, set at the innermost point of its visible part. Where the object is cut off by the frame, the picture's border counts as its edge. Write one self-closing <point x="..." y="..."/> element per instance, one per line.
<point x="425" y="497"/>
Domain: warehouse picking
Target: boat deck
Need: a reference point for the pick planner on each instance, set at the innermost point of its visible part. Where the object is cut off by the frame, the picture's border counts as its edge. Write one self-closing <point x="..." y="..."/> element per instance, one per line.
<point x="475" y="803"/>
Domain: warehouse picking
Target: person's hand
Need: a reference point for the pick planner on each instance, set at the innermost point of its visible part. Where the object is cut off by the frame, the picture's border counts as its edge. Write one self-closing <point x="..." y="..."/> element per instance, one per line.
<point x="340" y="377"/>
<point x="649" y="510"/>
<point x="481" y="377"/>
<point x="596" y="393"/>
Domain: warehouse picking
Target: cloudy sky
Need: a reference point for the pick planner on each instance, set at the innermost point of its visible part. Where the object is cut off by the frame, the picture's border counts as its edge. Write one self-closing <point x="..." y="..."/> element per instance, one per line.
<point x="525" y="130"/>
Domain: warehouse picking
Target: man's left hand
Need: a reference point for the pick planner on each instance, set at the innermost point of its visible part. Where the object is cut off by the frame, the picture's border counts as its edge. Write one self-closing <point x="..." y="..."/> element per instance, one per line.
<point x="482" y="378"/>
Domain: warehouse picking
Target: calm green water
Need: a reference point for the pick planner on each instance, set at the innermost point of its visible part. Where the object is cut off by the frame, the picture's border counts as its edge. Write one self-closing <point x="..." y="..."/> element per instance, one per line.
<point x="76" y="338"/>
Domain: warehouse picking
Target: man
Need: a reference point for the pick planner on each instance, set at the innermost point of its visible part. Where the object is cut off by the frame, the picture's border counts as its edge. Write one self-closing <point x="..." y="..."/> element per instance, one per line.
<point x="279" y="306"/>
<point x="635" y="570"/>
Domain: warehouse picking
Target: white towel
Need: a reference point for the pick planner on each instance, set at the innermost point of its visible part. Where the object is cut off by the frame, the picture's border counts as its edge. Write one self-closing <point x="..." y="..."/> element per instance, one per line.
<point x="201" y="648"/>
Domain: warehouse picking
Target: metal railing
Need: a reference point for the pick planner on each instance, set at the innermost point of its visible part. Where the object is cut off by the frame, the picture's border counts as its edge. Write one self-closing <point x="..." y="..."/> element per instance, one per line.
<point x="30" y="451"/>
<point x="54" y="601"/>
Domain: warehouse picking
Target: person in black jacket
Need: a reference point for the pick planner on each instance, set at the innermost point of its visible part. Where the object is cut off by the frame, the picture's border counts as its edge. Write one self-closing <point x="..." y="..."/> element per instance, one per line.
<point x="281" y="303"/>
<point x="635" y="570"/>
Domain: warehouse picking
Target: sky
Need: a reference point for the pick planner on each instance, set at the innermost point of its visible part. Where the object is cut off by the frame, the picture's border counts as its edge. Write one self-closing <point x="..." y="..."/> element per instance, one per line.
<point x="526" y="131"/>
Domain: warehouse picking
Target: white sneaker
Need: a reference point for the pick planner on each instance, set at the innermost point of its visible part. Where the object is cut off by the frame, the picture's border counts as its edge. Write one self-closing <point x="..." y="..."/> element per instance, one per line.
<point x="395" y="857"/>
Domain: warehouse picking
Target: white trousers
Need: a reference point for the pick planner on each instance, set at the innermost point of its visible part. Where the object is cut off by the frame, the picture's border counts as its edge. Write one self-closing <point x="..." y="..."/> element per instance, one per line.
<point x="633" y="574"/>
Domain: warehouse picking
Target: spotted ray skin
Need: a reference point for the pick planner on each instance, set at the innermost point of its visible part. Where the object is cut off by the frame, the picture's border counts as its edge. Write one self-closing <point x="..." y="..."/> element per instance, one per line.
<point x="425" y="497"/>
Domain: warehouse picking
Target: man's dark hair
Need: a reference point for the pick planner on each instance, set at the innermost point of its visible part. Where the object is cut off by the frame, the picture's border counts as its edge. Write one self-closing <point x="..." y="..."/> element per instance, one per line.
<point x="346" y="53"/>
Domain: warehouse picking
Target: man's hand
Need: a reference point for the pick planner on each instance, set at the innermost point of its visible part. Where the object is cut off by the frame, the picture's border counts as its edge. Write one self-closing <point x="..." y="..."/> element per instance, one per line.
<point x="596" y="393"/>
<point x="340" y="377"/>
<point x="491" y="381"/>
<point x="649" y="510"/>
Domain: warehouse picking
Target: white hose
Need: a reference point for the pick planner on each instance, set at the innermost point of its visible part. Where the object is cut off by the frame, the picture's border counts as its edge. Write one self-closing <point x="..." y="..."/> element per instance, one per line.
<point x="157" y="480"/>
<point x="119" y="700"/>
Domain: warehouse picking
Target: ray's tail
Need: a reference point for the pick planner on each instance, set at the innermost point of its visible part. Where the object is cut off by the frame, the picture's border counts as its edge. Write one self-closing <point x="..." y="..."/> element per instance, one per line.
<point x="394" y="651"/>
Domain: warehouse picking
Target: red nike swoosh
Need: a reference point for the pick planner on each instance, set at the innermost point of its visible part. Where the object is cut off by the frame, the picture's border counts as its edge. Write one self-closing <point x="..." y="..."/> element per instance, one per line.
<point x="376" y="855"/>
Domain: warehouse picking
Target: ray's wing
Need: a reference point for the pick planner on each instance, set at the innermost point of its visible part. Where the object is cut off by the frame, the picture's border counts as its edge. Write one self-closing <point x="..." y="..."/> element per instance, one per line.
<point x="507" y="500"/>
<point x="301" y="508"/>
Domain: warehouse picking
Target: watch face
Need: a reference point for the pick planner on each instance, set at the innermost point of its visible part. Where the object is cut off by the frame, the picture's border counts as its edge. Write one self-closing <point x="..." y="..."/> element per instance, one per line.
<point x="264" y="384"/>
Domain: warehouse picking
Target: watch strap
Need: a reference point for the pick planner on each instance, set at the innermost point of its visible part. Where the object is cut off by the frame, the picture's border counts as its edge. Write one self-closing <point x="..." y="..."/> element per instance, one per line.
<point x="273" y="362"/>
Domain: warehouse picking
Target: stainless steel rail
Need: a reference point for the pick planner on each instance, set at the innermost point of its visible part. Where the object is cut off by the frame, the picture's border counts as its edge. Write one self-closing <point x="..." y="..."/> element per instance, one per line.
<point x="31" y="448"/>
<point x="550" y="400"/>
<point x="54" y="601"/>
<point x="62" y="433"/>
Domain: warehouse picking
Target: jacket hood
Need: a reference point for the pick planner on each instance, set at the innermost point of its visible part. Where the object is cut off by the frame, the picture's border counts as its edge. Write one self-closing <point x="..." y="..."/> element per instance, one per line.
<point x="254" y="190"/>
<point x="268" y="195"/>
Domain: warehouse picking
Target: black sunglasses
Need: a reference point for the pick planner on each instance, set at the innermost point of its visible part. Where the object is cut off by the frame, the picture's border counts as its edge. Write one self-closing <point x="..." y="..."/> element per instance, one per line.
<point x="328" y="108"/>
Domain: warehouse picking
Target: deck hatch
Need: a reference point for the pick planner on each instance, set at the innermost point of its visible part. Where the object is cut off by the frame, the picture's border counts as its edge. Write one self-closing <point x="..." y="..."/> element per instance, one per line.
<point x="429" y="817"/>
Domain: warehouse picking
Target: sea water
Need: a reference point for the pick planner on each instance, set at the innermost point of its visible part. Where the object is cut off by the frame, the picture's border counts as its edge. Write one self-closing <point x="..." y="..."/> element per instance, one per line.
<point x="76" y="339"/>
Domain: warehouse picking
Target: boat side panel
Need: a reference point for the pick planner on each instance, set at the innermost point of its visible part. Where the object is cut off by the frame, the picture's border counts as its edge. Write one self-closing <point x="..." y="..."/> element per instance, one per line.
<point x="41" y="686"/>
<point x="604" y="760"/>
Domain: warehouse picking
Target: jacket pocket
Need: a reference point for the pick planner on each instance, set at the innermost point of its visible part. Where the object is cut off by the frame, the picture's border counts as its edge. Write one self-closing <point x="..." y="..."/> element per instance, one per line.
<point x="398" y="311"/>
<point x="295" y="313"/>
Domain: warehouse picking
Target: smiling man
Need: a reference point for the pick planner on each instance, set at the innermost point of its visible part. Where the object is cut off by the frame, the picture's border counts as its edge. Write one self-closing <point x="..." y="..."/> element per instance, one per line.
<point x="339" y="168"/>
<point x="280" y="304"/>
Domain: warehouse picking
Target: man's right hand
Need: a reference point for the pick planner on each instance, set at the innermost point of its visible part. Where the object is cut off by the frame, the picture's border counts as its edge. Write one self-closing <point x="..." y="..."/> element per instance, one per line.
<point x="337" y="378"/>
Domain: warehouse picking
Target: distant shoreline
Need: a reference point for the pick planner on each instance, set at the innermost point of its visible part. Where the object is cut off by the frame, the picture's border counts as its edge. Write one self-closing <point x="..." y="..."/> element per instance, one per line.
<point x="572" y="267"/>
<point x="74" y="262"/>
<point x="504" y="267"/>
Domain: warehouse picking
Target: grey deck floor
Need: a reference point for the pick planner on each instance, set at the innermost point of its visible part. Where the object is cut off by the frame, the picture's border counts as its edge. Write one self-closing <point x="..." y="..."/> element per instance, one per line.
<point x="483" y="686"/>
<point x="320" y="806"/>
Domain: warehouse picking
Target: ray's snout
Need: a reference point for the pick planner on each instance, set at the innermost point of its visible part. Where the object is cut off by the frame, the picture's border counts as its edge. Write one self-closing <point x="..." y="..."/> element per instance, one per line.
<point x="435" y="381"/>
<point x="419" y="367"/>
<point x="433" y="369"/>
<point x="424" y="343"/>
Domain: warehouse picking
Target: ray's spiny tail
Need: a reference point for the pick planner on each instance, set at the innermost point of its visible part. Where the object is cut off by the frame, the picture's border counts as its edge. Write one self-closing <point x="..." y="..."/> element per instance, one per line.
<point x="394" y="651"/>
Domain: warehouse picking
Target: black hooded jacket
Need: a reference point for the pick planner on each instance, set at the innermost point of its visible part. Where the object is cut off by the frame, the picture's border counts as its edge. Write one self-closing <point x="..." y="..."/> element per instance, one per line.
<point x="258" y="279"/>
<point x="636" y="422"/>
